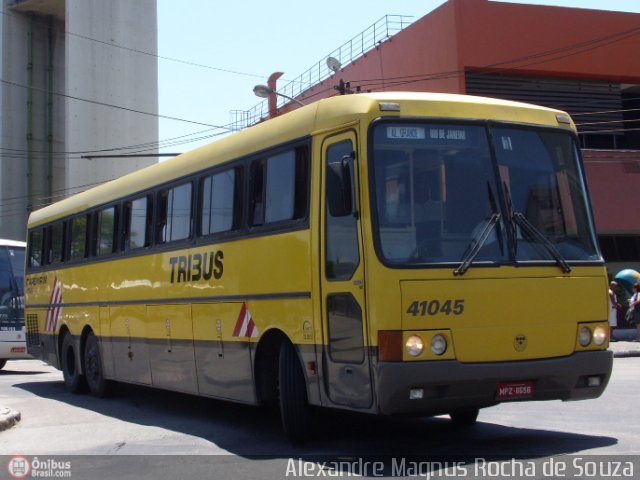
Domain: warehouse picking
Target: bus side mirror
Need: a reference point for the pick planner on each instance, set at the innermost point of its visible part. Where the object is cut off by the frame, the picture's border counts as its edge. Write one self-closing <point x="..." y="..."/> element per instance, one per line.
<point x="339" y="189"/>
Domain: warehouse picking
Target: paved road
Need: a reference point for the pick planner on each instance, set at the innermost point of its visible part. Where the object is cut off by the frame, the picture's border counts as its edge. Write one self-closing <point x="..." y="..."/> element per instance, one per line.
<point x="248" y="444"/>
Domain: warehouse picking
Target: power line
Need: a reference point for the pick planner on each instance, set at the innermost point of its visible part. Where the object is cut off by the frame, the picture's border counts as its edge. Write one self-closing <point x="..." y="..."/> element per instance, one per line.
<point x="574" y="49"/>
<point x="608" y="122"/>
<point x="569" y="50"/>
<point x="174" y="141"/>
<point x="623" y="130"/>
<point x="131" y="155"/>
<point x="142" y="52"/>
<point x="104" y="104"/>
<point x="602" y="112"/>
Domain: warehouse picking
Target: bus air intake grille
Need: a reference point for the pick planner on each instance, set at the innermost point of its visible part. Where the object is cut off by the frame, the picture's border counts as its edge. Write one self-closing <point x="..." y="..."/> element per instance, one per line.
<point x="33" y="337"/>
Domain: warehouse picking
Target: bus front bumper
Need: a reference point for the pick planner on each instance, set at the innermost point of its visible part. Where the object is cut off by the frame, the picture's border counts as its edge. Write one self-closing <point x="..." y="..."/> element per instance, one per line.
<point x="433" y="388"/>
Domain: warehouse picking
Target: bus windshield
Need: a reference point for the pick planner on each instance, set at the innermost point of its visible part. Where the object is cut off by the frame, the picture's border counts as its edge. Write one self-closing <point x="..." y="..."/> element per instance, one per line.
<point x="448" y="192"/>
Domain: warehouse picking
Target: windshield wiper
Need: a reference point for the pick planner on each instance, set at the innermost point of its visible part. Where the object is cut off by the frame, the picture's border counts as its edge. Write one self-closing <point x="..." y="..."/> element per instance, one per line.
<point x="494" y="209"/>
<point x="510" y="226"/>
<point x="476" y="244"/>
<point x="527" y="226"/>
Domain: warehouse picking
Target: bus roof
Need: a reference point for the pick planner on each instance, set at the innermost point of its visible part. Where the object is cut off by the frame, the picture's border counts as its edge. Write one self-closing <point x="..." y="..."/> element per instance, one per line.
<point x="329" y="113"/>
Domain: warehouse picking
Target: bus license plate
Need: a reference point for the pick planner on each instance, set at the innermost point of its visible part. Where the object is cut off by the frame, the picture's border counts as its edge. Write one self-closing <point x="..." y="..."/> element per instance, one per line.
<point x="516" y="390"/>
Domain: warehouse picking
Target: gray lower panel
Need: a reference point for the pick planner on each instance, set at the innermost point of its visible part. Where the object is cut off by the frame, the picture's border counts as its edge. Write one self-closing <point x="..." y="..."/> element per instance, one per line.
<point x="224" y="370"/>
<point x="201" y="367"/>
<point x="131" y="360"/>
<point x="450" y="385"/>
<point x="173" y="365"/>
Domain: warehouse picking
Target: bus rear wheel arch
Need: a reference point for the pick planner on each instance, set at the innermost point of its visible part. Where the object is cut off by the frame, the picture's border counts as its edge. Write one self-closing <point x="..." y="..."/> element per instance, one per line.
<point x="266" y="367"/>
<point x="74" y="381"/>
<point x="296" y="413"/>
<point x="93" y="366"/>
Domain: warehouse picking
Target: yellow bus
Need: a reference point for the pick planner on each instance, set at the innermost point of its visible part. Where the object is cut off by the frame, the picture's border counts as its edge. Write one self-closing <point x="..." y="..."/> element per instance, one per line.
<point x="389" y="253"/>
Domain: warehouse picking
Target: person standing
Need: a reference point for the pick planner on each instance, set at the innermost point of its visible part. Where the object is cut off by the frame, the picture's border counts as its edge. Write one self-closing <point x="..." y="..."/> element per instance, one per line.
<point x="634" y="308"/>
<point x="613" y="309"/>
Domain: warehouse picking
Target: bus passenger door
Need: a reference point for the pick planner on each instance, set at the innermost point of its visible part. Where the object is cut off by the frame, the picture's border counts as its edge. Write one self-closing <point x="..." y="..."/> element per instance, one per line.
<point x="346" y="363"/>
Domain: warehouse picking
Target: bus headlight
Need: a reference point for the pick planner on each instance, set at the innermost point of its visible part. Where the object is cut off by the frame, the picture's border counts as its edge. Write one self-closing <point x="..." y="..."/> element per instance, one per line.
<point x="438" y="344"/>
<point x="414" y="345"/>
<point x="599" y="336"/>
<point x="584" y="336"/>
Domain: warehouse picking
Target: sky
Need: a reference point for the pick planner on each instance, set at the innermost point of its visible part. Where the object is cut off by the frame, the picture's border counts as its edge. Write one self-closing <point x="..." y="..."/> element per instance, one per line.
<point x="213" y="52"/>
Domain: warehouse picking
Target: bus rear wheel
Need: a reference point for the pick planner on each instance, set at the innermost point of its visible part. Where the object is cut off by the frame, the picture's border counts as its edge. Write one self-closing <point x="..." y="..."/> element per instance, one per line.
<point x="294" y="405"/>
<point x="3" y="362"/>
<point x="73" y="380"/>
<point x="94" y="373"/>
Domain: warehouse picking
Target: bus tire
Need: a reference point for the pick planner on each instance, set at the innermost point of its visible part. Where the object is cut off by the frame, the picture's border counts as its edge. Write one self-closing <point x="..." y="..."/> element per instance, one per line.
<point x="93" y="370"/>
<point x="465" y="418"/>
<point x="3" y="362"/>
<point x="73" y="381"/>
<point x="294" y="406"/>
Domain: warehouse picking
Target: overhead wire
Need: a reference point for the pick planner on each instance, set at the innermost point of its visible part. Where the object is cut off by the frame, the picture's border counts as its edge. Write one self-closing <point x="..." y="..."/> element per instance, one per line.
<point x="580" y="47"/>
<point x="158" y="144"/>
<point x="139" y="148"/>
<point x="569" y="50"/>
<point x="143" y="52"/>
<point x="104" y="104"/>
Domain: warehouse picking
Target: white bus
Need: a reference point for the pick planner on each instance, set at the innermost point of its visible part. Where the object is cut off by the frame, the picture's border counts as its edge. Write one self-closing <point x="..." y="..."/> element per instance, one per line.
<point x="12" y="332"/>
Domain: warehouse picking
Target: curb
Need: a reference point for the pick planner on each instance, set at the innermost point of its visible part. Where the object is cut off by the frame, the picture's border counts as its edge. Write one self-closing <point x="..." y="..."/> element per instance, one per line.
<point x="8" y="418"/>
<point x="627" y="354"/>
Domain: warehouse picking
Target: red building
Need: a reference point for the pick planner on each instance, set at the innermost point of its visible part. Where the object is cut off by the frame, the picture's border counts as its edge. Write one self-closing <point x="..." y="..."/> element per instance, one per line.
<point x="586" y="62"/>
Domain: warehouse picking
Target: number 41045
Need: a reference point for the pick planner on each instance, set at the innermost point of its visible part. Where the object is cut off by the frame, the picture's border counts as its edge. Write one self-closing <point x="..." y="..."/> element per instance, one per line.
<point x="436" y="307"/>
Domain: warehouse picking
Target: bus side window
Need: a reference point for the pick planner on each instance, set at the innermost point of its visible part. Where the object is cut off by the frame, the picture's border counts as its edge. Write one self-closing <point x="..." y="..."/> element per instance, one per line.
<point x="137" y="228"/>
<point x="342" y="250"/>
<point x="220" y="197"/>
<point x="56" y="242"/>
<point x="279" y="187"/>
<point x="36" y="244"/>
<point x="106" y="231"/>
<point x="78" y="243"/>
<point x="174" y="214"/>
<point x="6" y="291"/>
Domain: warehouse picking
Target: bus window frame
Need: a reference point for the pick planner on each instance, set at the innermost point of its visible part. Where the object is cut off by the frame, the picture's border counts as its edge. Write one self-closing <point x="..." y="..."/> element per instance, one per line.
<point x="125" y="229"/>
<point x="303" y="150"/>
<point x="29" y="249"/>
<point x="63" y="225"/>
<point x="488" y="125"/>
<point x="173" y="185"/>
<point x="239" y="214"/>
<point x="69" y="236"/>
<point x="354" y="216"/>
<point x="95" y="230"/>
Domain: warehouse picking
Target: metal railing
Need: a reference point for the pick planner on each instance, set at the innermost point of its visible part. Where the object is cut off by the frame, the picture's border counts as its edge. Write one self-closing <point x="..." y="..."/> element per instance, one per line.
<point x="347" y="53"/>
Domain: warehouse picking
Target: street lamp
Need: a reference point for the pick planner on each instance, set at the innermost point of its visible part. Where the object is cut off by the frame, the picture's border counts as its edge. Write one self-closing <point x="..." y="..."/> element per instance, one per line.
<point x="263" y="91"/>
<point x="333" y="64"/>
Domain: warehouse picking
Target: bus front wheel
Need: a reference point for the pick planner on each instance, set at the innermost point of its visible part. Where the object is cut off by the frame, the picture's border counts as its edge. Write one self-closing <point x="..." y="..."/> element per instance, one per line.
<point x="465" y="418"/>
<point x="73" y="380"/>
<point x="294" y="406"/>
<point x="94" y="373"/>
